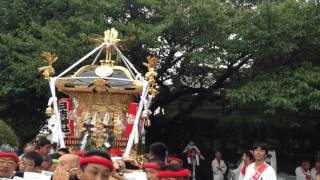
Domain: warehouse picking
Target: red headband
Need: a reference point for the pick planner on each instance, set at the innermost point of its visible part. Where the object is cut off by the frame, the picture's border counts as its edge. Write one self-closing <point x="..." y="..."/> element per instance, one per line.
<point x="96" y="160"/>
<point x="174" y="159"/>
<point x="10" y="155"/>
<point x="182" y="173"/>
<point x="151" y="166"/>
<point x="116" y="152"/>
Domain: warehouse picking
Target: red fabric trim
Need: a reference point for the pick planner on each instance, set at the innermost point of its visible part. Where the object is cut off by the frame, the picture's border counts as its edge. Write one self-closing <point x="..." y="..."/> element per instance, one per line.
<point x="116" y="152"/>
<point x="182" y="173"/>
<point x="10" y="155"/>
<point x="151" y="166"/>
<point x="258" y="173"/>
<point x="219" y="162"/>
<point x="174" y="159"/>
<point x="96" y="160"/>
<point x="304" y="171"/>
<point x="244" y="168"/>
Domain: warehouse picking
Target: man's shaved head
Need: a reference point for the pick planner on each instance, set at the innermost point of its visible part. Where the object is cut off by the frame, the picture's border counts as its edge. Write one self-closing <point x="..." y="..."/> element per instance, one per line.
<point x="68" y="161"/>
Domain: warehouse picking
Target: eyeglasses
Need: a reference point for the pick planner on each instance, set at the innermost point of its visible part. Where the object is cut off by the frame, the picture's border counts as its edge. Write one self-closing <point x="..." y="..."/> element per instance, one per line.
<point x="9" y="163"/>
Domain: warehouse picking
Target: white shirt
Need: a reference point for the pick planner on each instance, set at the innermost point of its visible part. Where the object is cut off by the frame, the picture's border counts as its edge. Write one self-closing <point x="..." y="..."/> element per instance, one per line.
<point x="267" y="174"/>
<point x="29" y="176"/>
<point x="300" y="173"/>
<point x="135" y="176"/>
<point x="14" y="178"/>
<point x="241" y="176"/>
<point x="314" y="173"/>
<point x="216" y="166"/>
<point x="35" y="176"/>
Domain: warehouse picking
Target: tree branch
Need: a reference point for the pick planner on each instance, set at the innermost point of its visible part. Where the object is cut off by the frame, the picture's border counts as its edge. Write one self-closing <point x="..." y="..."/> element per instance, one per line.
<point x="217" y="85"/>
<point x="169" y="62"/>
<point x="164" y="100"/>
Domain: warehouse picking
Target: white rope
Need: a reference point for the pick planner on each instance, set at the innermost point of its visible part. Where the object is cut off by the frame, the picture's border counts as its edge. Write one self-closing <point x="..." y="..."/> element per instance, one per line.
<point x="132" y="74"/>
<point x="57" y="134"/>
<point x="134" y="137"/>
<point x="59" y="128"/>
<point x="138" y="75"/>
<point x="81" y="60"/>
<point x="84" y="141"/>
<point x="122" y="58"/>
<point x="110" y="78"/>
<point x="50" y="99"/>
<point x="148" y="102"/>
<point x="144" y="100"/>
<point x="97" y="56"/>
<point x="126" y="59"/>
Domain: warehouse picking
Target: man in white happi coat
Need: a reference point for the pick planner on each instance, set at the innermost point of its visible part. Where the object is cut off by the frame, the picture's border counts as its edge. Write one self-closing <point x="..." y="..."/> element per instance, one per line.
<point x="260" y="170"/>
<point x="315" y="172"/>
<point x="219" y="168"/>
<point x="303" y="171"/>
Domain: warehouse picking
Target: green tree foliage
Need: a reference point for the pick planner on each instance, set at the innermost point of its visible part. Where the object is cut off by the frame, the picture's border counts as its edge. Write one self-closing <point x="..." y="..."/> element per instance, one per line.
<point x="210" y="49"/>
<point x="283" y="79"/>
<point x="287" y="90"/>
<point x="27" y="29"/>
<point x="7" y="135"/>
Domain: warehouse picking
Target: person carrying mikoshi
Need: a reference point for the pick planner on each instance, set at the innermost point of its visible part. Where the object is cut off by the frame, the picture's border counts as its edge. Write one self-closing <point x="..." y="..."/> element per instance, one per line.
<point x="8" y="163"/>
<point x="173" y="172"/>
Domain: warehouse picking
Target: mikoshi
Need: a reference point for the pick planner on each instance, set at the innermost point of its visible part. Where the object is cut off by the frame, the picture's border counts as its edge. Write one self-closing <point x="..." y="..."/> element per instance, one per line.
<point x="101" y="110"/>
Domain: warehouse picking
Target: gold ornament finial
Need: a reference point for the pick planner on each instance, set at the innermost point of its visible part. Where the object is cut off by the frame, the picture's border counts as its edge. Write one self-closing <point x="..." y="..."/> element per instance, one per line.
<point x="48" y="71"/>
<point x="49" y="111"/>
<point x="152" y="74"/>
<point x="111" y="37"/>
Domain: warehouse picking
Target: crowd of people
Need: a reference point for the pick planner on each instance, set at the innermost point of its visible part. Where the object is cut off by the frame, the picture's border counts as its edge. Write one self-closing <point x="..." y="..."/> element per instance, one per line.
<point x="38" y="162"/>
<point x="304" y="172"/>
<point x="250" y="166"/>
